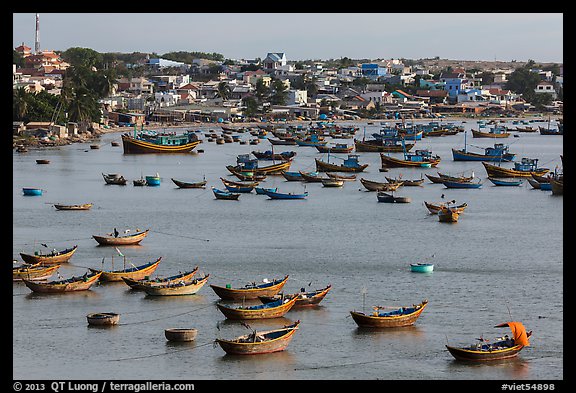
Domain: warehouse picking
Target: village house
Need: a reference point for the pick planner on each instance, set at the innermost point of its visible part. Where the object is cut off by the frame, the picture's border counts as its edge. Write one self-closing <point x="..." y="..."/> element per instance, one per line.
<point x="546" y="87"/>
<point x="274" y="60"/>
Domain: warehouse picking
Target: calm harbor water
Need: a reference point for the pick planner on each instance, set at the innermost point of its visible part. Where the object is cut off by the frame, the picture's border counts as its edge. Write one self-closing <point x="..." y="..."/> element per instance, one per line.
<point x="502" y="261"/>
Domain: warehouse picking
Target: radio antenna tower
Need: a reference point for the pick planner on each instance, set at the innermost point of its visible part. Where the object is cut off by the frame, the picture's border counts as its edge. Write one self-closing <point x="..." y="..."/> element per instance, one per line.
<point x="37" y="36"/>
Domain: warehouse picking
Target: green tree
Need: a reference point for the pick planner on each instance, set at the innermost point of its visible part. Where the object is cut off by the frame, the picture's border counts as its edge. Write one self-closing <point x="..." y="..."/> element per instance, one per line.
<point x="17" y="59"/>
<point x="224" y="91"/>
<point x="262" y="91"/>
<point x="250" y="105"/>
<point x="20" y="103"/>
<point x="83" y="57"/>
<point x="280" y="93"/>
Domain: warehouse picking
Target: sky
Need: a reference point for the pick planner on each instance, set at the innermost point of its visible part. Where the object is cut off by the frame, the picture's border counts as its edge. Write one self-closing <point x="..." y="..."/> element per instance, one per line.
<point x="305" y="36"/>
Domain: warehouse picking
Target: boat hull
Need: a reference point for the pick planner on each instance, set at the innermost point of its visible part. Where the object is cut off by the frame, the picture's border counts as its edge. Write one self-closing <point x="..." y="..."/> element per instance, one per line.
<point x="266" y="311"/>
<point x="79" y="284"/>
<point x="249" y="293"/>
<point x="138" y="273"/>
<point x="461" y="155"/>
<point x="59" y="257"/>
<point x="136" y="146"/>
<point x="369" y="321"/>
<point x="497" y="171"/>
<point x="392" y="162"/>
<point x="475" y="355"/>
<point x="178" y="288"/>
<point x="282" y="338"/>
<point x="322" y="166"/>
<point x="121" y="240"/>
<point x="421" y="267"/>
<point x="34" y="272"/>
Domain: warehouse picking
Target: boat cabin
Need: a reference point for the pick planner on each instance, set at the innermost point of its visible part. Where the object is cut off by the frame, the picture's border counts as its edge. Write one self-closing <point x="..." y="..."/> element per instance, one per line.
<point x="526" y="164"/>
<point x="352" y="161"/>
<point x="245" y="162"/>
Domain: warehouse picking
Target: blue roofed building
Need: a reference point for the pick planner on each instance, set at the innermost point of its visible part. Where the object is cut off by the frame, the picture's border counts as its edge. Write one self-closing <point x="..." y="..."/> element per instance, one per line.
<point x="373" y="70"/>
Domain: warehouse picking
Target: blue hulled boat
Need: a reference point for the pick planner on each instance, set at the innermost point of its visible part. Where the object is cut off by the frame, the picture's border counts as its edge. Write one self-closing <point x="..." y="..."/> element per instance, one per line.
<point x="32" y="191"/>
<point x="422" y="267"/>
<point x="280" y="195"/>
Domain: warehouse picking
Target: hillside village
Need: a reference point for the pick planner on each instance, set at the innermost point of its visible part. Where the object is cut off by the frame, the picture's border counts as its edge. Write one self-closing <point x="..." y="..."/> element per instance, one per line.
<point x="170" y="92"/>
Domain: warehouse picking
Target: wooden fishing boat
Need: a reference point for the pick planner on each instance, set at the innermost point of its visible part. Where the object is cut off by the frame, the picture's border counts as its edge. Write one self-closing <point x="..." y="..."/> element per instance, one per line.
<point x="329" y="182"/>
<point x="304" y="298"/>
<point x="396" y="317"/>
<point x="103" y="318"/>
<point x="499" y="152"/>
<point x="32" y="191"/>
<point x="283" y="195"/>
<point x="350" y="164"/>
<point x="557" y="185"/>
<point x="275" y="309"/>
<point x="262" y="190"/>
<point x="501" y="348"/>
<point x="505" y="181"/>
<point x="422" y="267"/>
<point x="390" y="198"/>
<point x="311" y="177"/>
<point x="434" y="208"/>
<point x="267" y="170"/>
<point x="341" y="177"/>
<point x="180" y="334"/>
<point x="434" y="179"/>
<point x="177" y="288"/>
<point x="114" y="179"/>
<point x="72" y="284"/>
<point x="54" y="257"/>
<point x="255" y="343"/>
<point x="42" y="161"/>
<point x="543" y="179"/>
<point x="183" y="184"/>
<point x="550" y="131"/>
<point x="460" y="178"/>
<point x="134" y="272"/>
<point x="282" y="142"/>
<point x="493" y="133"/>
<point x="292" y="176"/>
<point x="83" y="206"/>
<point x="246" y="175"/>
<point x="141" y="282"/>
<point x="312" y="140"/>
<point x="156" y="142"/>
<point x="447" y="214"/>
<point x="36" y="272"/>
<point x="371" y="185"/>
<point x="534" y="183"/>
<point x="270" y="155"/>
<point x="336" y="148"/>
<point x="244" y="186"/>
<point x="524" y="168"/>
<point x="121" y="240"/>
<point x="225" y="195"/>
<point x="404" y="182"/>
<point x="420" y="158"/>
<point x="250" y="291"/>
<point x="462" y="184"/>
<point x="382" y="146"/>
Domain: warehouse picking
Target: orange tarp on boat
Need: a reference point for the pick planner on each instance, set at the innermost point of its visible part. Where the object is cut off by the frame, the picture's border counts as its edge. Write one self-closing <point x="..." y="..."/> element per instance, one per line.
<point x="518" y="332"/>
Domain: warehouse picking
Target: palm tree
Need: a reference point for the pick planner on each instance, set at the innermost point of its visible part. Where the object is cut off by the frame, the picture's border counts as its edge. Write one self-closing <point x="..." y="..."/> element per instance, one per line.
<point x="224" y="90"/>
<point x="20" y="103"/>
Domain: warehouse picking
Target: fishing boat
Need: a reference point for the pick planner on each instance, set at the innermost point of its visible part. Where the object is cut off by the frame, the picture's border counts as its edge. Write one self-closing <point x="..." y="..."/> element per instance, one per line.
<point x="35" y="272"/>
<point x="371" y="185"/>
<point x="259" y="342"/>
<point x="534" y="183"/>
<point x="499" y="152"/>
<point x="283" y="195"/>
<point x="459" y="178"/>
<point x="72" y="284"/>
<point x="422" y="267"/>
<point x="305" y="298"/>
<point x="550" y="131"/>
<point x="103" y="318"/>
<point x="83" y="206"/>
<point x="250" y="291"/>
<point x="140" y="283"/>
<point x="114" y="178"/>
<point x="144" y="142"/>
<point x="434" y="208"/>
<point x="139" y="182"/>
<point x="31" y="191"/>
<point x="292" y="176"/>
<point x="557" y="185"/>
<point x="420" y="158"/>
<point x="336" y="148"/>
<point x="246" y="175"/>
<point x="270" y="155"/>
<point x="312" y="140"/>
<point x="390" y="198"/>
<point x="382" y="146"/>
<point x="246" y="164"/>
<point x="395" y="317"/>
<point x="134" y="272"/>
<point x="524" y="168"/>
<point x="242" y="187"/>
<point x="505" y="181"/>
<point x="183" y="184"/>
<point x="462" y="184"/>
<point x="176" y="288"/>
<point x="282" y="142"/>
<point x="501" y="348"/>
<point x="225" y="195"/>
<point x="434" y="179"/>
<point x="125" y="239"/>
<point x="262" y="190"/>
<point x="329" y="182"/>
<point x="341" y="177"/>
<point x="404" y="182"/>
<point x="311" y="177"/>
<point x="42" y="161"/>
<point x="447" y="214"/>
<point x="52" y="258"/>
<point x="495" y="132"/>
<point x="274" y="309"/>
<point x="350" y="164"/>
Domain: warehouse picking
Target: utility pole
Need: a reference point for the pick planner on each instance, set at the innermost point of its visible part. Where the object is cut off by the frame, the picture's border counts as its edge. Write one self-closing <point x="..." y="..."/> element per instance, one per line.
<point x="37" y="36"/>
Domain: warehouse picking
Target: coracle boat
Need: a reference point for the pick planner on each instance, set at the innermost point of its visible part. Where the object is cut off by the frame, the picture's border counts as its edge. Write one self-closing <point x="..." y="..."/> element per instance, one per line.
<point x="134" y="272"/>
<point x="350" y="164"/>
<point x="54" y="257"/>
<point x="183" y="184"/>
<point x="154" y="142"/>
<point x="274" y="309"/>
<point x="73" y="284"/>
<point x="176" y="288"/>
<point x="304" y="298"/>
<point x="396" y="317"/>
<point x="447" y="214"/>
<point x="32" y="191"/>
<point x="434" y="208"/>
<point x="250" y="291"/>
<point x="525" y="168"/>
<point x="153" y="180"/>
<point x="501" y="348"/>
<point x="140" y="283"/>
<point x="36" y="272"/>
<point x="103" y="318"/>
<point x="83" y="206"/>
<point x="124" y="240"/>
<point x="255" y="343"/>
<point x="390" y="198"/>
<point x="371" y="185"/>
<point x="225" y="195"/>
<point x="421" y="267"/>
<point x="180" y="334"/>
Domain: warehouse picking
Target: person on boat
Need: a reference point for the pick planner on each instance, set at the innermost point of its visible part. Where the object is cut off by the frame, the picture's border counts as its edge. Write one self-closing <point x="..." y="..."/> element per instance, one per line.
<point x="116" y="232"/>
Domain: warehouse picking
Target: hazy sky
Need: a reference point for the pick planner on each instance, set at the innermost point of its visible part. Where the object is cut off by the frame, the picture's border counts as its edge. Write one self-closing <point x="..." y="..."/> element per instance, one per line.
<point x="302" y="36"/>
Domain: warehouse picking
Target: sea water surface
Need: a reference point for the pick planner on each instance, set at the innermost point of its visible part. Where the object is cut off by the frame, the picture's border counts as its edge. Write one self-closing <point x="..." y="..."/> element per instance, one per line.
<point x="502" y="261"/>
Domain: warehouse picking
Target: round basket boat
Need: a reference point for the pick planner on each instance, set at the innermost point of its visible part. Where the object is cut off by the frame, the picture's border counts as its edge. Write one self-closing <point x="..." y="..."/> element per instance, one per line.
<point x="180" y="334"/>
<point x="103" y="318"/>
